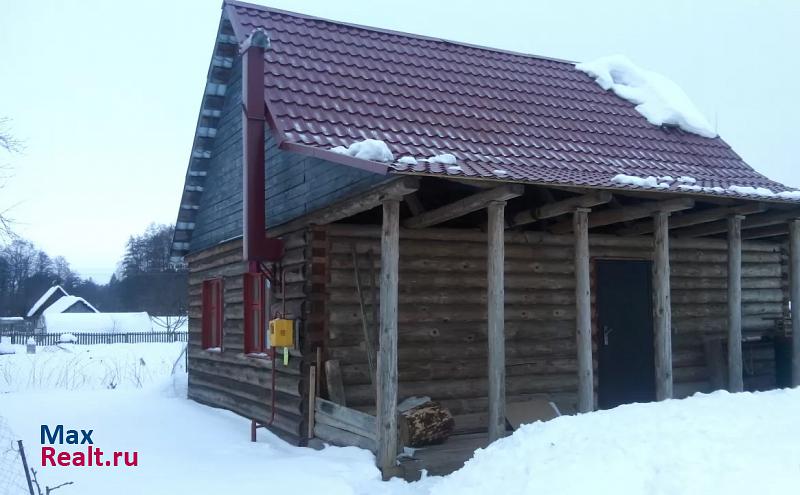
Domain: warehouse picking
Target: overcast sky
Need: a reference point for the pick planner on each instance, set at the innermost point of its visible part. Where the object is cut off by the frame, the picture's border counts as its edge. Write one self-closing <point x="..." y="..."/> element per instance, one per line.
<point x="105" y="95"/>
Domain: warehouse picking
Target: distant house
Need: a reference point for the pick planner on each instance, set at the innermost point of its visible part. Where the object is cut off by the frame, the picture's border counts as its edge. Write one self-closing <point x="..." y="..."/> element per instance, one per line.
<point x="56" y="301"/>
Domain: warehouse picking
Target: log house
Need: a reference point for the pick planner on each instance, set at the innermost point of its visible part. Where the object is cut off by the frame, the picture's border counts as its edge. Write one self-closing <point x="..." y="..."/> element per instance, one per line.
<point x="522" y="269"/>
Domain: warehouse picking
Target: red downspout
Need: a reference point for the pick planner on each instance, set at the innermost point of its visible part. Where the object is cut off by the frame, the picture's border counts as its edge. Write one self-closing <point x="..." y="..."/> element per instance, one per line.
<point x="257" y="247"/>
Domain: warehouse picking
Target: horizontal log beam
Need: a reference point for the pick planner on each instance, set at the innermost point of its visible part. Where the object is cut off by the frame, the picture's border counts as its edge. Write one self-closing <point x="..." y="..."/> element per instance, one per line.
<point x="764" y="232"/>
<point x="464" y="206"/>
<point x="353" y="205"/>
<point x="628" y="213"/>
<point x="370" y="233"/>
<point x="697" y="218"/>
<point x="753" y="222"/>
<point x="562" y="207"/>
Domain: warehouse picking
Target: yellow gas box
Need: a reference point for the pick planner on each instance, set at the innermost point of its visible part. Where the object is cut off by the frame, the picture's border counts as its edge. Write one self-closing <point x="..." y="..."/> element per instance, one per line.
<point x="281" y="333"/>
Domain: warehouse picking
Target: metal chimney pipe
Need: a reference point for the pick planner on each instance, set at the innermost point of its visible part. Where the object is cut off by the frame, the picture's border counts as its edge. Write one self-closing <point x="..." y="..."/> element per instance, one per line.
<point x="257" y="247"/>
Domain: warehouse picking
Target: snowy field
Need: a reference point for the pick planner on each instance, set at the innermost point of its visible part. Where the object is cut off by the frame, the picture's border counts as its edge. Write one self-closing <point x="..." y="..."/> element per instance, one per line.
<point x="72" y="367"/>
<point x="707" y="444"/>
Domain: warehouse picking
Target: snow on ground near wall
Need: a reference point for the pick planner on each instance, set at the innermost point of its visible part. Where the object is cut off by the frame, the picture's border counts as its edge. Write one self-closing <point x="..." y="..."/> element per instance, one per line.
<point x="183" y="447"/>
<point x="101" y="366"/>
<point x="368" y="149"/>
<point x="718" y="443"/>
<point x="657" y="98"/>
<point x="707" y="444"/>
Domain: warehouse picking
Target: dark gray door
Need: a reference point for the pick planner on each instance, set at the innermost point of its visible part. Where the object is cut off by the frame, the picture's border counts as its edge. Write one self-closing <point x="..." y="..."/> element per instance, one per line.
<point x="625" y="339"/>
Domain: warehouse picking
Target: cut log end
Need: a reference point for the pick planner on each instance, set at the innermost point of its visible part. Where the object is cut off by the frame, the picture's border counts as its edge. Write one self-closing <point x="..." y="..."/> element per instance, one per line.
<point x="427" y="424"/>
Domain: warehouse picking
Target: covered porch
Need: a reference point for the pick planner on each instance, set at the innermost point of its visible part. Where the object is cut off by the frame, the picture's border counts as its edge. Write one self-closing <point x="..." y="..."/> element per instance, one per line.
<point x="487" y="294"/>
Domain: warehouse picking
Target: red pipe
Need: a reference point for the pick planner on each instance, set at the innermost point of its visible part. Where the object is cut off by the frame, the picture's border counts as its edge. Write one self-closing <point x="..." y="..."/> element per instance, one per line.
<point x="257" y="247"/>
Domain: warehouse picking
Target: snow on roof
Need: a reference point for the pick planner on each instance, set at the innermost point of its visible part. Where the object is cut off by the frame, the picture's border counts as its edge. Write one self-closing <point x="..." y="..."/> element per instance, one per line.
<point x="368" y="149"/>
<point x="657" y="98"/>
<point x="60" y="323"/>
<point x="66" y="302"/>
<point x="48" y="293"/>
<point x="444" y="159"/>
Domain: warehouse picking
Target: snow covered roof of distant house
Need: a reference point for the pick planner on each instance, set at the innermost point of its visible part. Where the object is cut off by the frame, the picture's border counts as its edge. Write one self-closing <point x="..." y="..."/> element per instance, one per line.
<point x="45" y="297"/>
<point x="66" y="302"/>
<point x="97" y="322"/>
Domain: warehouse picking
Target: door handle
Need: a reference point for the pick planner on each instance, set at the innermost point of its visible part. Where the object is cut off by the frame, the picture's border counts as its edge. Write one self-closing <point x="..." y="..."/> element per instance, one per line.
<point x="606" y="332"/>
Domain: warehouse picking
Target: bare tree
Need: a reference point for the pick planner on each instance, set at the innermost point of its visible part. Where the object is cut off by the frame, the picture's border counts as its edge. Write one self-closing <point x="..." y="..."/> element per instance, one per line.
<point x="10" y="145"/>
<point x="170" y="324"/>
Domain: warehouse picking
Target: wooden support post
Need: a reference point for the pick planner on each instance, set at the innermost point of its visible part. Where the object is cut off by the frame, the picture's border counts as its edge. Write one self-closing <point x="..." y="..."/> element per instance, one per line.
<point x="386" y="424"/>
<point x="794" y="297"/>
<point x="583" y="311"/>
<point x="496" y="321"/>
<point x="735" y="380"/>
<point x="662" y="311"/>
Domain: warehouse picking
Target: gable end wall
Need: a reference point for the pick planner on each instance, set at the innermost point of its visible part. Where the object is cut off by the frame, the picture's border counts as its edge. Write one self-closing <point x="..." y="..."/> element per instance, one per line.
<point x="295" y="184"/>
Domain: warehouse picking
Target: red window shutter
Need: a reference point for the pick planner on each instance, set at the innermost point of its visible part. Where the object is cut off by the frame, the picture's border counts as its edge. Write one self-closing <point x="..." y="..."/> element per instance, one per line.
<point x="212" y="313"/>
<point x="254" y="315"/>
<point x="207" y="315"/>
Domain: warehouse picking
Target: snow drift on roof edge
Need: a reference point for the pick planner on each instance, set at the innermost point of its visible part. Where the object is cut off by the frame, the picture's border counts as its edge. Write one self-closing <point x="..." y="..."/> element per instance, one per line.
<point x="657" y="98"/>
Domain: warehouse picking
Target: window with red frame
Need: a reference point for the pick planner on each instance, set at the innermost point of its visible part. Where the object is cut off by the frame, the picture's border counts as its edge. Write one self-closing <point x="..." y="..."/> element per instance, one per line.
<point x="213" y="309"/>
<point x="256" y="293"/>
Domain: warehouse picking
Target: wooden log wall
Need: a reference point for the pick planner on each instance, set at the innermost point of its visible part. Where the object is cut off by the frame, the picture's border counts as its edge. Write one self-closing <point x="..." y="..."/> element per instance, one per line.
<point x="231" y="380"/>
<point x="442" y="314"/>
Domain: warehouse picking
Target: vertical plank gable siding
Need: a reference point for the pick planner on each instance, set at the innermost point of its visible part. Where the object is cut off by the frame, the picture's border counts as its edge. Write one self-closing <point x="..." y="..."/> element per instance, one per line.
<point x="231" y="380"/>
<point x="295" y="184"/>
<point x="442" y="328"/>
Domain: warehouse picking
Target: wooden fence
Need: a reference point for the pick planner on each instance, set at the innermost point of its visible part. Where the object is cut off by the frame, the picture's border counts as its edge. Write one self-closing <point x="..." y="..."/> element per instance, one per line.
<point x="44" y="339"/>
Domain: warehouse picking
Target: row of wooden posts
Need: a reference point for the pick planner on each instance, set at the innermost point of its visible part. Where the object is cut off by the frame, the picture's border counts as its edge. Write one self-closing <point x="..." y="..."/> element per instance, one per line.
<point x="387" y="374"/>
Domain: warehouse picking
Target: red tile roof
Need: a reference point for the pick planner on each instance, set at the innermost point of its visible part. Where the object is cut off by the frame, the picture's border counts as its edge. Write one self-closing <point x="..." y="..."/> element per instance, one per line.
<point x="504" y="115"/>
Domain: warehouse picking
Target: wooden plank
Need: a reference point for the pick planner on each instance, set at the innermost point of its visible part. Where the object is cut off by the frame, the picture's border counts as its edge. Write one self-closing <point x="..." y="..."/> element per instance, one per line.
<point x="362" y="421"/>
<point x="562" y="207"/>
<point x="343" y="438"/>
<point x="464" y="206"/>
<point x="735" y="378"/>
<point x="312" y="396"/>
<point x="496" y="320"/>
<point x="583" y="306"/>
<point x="352" y="205"/>
<point x="697" y="218"/>
<point x="662" y="317"/>
<point x="368" y="343"/>
<point x="766" y="219"/>
<point x="386" y="424"/>
<point x="325" y="419"/>
<point x="627" y="213"/>
<point x="794" y="295"/>
<point x="333" y="377"/>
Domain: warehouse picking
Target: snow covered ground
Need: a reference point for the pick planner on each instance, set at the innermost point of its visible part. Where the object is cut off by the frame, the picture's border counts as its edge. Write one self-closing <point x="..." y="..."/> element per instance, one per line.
<point x="69" y="366"/>
<point x="717" y="443"/>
